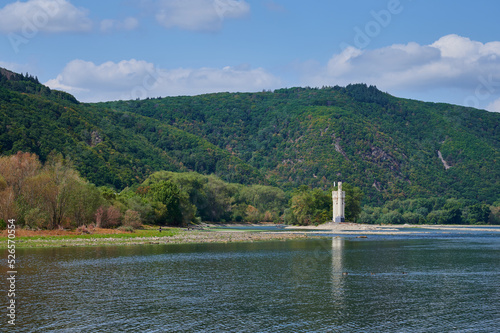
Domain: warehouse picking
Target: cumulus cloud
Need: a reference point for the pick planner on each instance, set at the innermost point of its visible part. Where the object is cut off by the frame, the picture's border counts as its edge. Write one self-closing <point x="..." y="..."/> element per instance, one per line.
<point x="43" y="15"/>
<point x="109" y="25"/>
<point x="452" y="62"/>
<point x="494" y="106"/>
<point x="132" y="79"/>
<point x="199" y="15"/>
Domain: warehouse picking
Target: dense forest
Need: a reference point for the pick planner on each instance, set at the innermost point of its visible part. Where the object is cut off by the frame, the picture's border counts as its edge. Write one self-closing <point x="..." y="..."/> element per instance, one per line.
<point x="389" y="147"/>
<point x="299" y="141"/>
<point x="53" y="195"/>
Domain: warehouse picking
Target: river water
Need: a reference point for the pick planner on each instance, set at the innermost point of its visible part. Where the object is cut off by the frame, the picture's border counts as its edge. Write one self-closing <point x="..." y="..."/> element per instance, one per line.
<point x="402" y="284"/>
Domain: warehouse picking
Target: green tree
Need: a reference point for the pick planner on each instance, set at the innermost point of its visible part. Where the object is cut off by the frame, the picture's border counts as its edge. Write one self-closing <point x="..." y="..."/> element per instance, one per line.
<point x="353" y="198"/>
<point x="454" y="216"/>
<point x="477" y="214"/>
<point x="310" y="206"/>
<point x="84" y="201"/>
<point x="168" y="195"/>
<point x="393" y="217"/>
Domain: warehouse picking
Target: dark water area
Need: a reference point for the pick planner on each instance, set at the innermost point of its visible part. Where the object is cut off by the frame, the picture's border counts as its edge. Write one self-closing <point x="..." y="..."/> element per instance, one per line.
<point x="391" y="285"/>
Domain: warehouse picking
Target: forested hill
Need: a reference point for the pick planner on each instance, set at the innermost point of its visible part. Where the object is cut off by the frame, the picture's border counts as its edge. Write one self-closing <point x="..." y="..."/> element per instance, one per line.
<point x="108" y="147"/>
<point x="389" y="147"/>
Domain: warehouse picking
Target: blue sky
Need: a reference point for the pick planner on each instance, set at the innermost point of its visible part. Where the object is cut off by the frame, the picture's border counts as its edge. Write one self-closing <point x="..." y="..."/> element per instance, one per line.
<point x="441" y="51"/>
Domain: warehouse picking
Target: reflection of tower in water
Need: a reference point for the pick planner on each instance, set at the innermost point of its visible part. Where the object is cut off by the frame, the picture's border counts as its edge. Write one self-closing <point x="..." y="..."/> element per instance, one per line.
<point x="338" y="279"/>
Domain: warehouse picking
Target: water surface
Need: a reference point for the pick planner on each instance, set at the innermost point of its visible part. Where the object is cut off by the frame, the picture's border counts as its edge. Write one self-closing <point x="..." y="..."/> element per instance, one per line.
<point x="397" y="285"/>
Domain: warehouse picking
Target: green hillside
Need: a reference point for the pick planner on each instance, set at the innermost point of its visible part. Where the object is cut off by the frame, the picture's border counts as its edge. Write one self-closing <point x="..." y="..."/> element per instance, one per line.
<point x="108" y="147"/>
<point x="385" y="145"/>
<point x="389" y="147"/>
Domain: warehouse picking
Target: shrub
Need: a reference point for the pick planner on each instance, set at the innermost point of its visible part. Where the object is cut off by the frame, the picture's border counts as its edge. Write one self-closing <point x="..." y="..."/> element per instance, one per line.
<point x="393" y="217"/>
<point x="132" y="219"/>
<point x="126" y="228"/>
<point x="35" y="218"/>
<point x="108" y="217"/>
<point x="412" y="218"/>
<point x="83" y="230"/>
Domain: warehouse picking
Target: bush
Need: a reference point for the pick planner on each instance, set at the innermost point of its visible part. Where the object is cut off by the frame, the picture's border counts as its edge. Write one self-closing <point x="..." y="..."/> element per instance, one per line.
<point x="366" y="218"/>
<point x="35" y="218"/>
<point x="437" y="217"/>
<point x="413" y="218"/>
<point x="108" y="217"/>
<point x="252" y="214"/>
<point x="83" y="230"/>
<point x="132" y="219"/>
<point x="494" y="217"/>
<point x="393" y="217"/>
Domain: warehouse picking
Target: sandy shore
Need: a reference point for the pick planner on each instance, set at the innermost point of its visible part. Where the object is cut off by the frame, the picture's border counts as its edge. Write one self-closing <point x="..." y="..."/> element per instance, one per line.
<point x="218" y="234"/>
<point x="349" y="228"/>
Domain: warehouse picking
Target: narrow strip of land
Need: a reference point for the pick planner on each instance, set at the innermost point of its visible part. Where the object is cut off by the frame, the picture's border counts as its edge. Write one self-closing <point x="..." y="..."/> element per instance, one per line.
<point x="219" y="234"/>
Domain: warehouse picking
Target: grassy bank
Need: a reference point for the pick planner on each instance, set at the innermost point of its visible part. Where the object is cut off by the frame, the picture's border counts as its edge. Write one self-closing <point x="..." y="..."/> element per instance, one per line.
<point x="106" y="237"/>
<point x="61" y="238"/>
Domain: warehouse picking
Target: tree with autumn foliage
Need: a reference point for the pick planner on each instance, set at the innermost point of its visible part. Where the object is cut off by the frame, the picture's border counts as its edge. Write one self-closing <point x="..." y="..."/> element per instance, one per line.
<point x="45" y="197"/>
<point x="15" y="171"/>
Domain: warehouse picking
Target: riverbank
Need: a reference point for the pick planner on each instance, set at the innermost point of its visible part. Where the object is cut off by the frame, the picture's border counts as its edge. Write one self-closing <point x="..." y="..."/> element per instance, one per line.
<point x="216" y="233"/>
<point x="110" y="237"/>
<point x="376" y="229"/>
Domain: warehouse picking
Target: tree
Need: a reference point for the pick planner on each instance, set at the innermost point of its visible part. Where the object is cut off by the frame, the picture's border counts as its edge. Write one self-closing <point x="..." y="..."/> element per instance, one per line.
<point x="62" y="182"/>
<point x="219" y="198"/>
<point x="454" y="216"/>
<point x="108" y="217"/>
<point x="132" y="219"/>
<point x="169" y="196"/>
<point x="477" y="213"/>
<point x="310" y="206"/>
<point x="15" y="169"/>
<point x="252" y="214"/>
<point x="393" y="217"/>
<point x="7" y="201"/>
<point x="494" y="217"/>
<point x="84" y="200"/>
<point x="353" y="198"/>
<point x="36" y="200"/>
<point x="264" y="198"/>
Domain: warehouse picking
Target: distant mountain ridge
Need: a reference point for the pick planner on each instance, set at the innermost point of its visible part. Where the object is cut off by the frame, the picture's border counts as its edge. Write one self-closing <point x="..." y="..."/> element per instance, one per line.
<point x="389" y="147"/>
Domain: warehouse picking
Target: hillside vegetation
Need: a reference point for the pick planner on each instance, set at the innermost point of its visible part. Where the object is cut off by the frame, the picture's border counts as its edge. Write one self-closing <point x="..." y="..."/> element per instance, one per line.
<point x="391" y="148"/>
<point x="107" y="147"/>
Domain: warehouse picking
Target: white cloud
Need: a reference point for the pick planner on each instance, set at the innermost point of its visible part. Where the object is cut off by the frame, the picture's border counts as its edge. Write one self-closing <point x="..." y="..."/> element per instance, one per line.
<point x="43" y="15"/>
<point x="131" y="79"/>
<point x="452" y="62"/>
<point x="17" y="68"/>
<point x="199" y="15"/>
<point x="494" y="106"/>
<point x="109" y="25"/>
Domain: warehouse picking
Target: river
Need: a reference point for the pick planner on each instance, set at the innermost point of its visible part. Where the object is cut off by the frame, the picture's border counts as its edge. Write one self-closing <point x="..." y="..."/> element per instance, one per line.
<point x="380" y="284"/>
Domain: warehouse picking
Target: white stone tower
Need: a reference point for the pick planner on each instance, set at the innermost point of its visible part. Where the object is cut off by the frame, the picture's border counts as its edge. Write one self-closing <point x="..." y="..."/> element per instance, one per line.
<point x="338" y="204"/>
